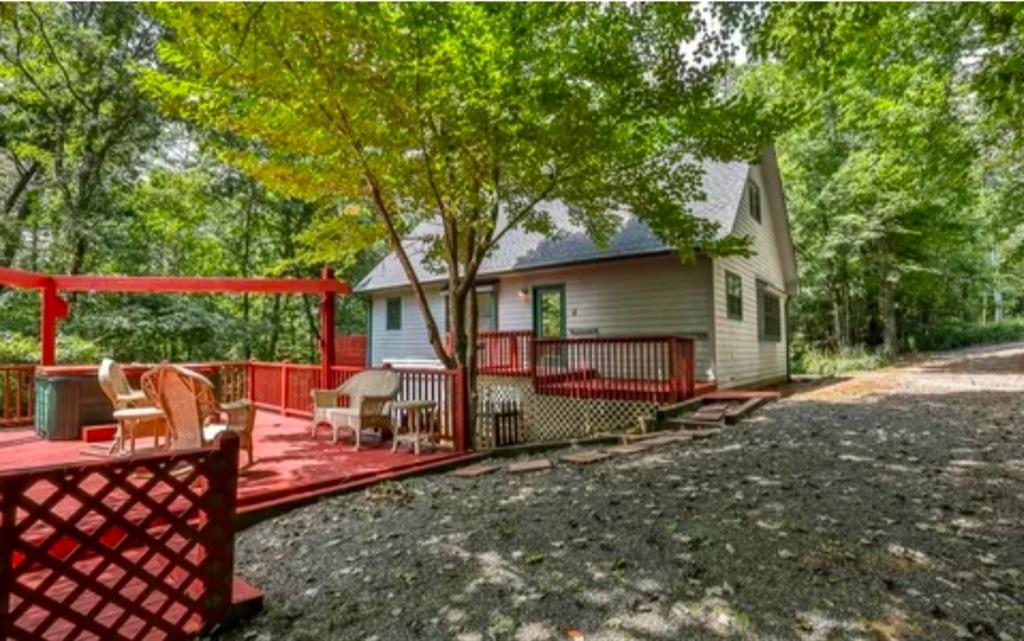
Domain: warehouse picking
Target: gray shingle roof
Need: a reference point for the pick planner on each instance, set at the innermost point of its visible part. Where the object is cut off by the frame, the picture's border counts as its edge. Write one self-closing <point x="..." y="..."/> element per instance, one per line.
<point x="521" y="250"/>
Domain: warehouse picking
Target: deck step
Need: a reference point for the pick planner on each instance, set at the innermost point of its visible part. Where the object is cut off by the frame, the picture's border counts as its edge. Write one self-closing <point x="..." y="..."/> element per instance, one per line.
<point x="98" y="433"/>
<point x="706" y="433"/>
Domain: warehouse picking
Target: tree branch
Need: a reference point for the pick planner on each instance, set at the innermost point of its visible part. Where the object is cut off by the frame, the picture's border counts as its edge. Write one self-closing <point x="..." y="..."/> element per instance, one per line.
<point x="24" y="178"/>
<point x="56" y="59"/>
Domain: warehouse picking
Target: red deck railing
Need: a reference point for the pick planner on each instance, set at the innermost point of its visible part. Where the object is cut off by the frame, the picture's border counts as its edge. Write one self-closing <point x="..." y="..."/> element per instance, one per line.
<point x="502" y="353"/>
<point x="650" y="368"/>
<point x="287" y="387"/>
<point x="17" y="395"/>
<point x="506" y="353"/>
<point x="139" y="549"/>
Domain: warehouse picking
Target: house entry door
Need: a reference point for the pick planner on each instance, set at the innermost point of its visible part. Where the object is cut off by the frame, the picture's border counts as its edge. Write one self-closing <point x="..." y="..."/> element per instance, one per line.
<point x="549" y="322"/>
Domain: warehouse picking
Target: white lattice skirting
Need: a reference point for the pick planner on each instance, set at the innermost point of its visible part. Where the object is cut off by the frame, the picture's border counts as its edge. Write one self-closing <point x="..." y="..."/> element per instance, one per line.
<point x="556" y="418"/>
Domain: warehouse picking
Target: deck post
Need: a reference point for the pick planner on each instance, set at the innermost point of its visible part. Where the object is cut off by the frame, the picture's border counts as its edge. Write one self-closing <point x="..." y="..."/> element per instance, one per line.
<point x="327" y="308"/>
<point x="284" y="387"/>
<point x="515" y="353"/>
<point x="673" y="371"/>
<point x="52" y="309"/>
<point x="250" y="381"/>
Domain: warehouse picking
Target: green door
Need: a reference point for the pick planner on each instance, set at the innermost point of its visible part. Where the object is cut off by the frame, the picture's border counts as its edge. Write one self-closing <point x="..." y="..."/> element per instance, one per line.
<point x="549" y="311"/>
<point x="549" y="322"/>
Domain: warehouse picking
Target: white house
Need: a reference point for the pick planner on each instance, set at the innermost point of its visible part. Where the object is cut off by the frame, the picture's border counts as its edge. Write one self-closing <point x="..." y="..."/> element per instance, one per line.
<point x="734" y="308"/>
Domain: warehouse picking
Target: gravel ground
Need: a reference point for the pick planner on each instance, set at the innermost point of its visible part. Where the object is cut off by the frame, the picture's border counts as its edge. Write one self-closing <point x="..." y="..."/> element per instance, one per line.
<point x="889" y="506"/>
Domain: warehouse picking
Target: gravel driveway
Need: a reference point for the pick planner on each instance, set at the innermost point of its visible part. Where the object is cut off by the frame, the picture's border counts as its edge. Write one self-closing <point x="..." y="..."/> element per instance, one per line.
<point x="888" y="506"/>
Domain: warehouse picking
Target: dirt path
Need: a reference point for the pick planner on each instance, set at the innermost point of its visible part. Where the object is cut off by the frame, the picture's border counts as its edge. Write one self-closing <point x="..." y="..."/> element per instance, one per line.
<point x="886" y="507"/>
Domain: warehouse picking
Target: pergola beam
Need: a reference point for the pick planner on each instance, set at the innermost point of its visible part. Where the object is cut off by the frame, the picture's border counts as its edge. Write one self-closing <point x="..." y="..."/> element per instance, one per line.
<point x="199" y="285"/>
<point x="54" y="308"/>
<point x="22" y="279"/>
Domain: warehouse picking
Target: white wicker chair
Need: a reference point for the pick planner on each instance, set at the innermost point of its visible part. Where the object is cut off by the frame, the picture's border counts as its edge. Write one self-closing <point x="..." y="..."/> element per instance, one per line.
<point x="368" y="393"/>
<point x="190" y="404"/>
<point x="135" y="414"/>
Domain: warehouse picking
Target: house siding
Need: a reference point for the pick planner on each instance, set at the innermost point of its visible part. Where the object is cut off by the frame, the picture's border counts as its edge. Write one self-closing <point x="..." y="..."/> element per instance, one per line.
<point x="654" y="295"/>
<point x="410" y="342"/>
<point x="649" y="295"/>
<point x="741" y="357"/>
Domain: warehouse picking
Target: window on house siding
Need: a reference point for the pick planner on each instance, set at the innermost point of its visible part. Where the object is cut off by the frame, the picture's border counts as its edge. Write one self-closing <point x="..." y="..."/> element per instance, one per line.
<point x="394" y="313"/>
<point x="770" y="306"/>
<point x="486" y="309"/>
<point x="733" y="296"/>
<point x="754" y="197"/>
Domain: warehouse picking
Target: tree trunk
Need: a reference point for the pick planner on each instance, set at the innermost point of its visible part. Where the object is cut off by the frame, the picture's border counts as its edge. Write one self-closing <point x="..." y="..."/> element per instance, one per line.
<point x="13" y="241"/>
<point x="462" y="332"/>
<point x="837" y="324"/>
<point x="275" y="332"/>
<point x="887" y="314"/>
<point x="246" y="259"/>
<point x="470" y="366"/>
<point x="314" y="329"/>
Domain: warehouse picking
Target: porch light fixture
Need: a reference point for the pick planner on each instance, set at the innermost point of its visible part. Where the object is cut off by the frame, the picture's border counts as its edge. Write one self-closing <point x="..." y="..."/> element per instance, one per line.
<point x="524" y="293"/>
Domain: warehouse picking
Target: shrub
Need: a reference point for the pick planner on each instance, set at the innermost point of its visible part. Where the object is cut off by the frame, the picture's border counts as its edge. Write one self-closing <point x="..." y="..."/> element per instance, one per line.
<point x="20" y="348"/>
<point x="954" y="335"/>
<point x="831" y="363"/>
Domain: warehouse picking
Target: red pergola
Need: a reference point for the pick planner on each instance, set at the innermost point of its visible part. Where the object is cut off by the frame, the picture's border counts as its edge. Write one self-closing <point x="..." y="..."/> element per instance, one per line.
<point x="53" y="307"/>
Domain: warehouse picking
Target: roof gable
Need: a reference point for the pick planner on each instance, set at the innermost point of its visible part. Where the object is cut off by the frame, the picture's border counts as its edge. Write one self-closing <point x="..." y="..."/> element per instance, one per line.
<point x="521" y="250"/>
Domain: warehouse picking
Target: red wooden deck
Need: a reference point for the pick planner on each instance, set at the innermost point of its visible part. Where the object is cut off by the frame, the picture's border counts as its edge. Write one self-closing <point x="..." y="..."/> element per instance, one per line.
<point x="289" y="464"/>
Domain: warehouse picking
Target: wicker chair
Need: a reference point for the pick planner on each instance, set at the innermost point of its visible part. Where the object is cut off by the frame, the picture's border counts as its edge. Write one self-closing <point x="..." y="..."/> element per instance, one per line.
<point x="193" y="412"/>
<point x="368" y="393"/>
<point x="135" y="414"/>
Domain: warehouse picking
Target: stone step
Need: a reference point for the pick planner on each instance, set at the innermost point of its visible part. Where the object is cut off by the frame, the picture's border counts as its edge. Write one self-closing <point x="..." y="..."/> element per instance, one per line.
<point x="632" y="448"/>
<point x="586" y="457"/>
<point x="534" y="465"/>
<point x="472" y="471"/>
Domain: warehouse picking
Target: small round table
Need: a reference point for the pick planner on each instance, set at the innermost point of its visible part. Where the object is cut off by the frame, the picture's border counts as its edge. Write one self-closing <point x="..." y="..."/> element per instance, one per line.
<point x="415" y="412"/>
<point x="133" y="422"/>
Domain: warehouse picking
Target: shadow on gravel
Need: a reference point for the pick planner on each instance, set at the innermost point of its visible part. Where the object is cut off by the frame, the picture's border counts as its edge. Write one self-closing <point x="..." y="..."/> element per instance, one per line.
<point x="894" y="518"/>
<point x="1005" y="363"/>
<point x="808" y="383"/>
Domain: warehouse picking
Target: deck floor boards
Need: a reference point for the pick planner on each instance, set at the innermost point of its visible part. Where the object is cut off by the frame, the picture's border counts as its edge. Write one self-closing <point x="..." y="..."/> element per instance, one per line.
<point x="288" y="461"/>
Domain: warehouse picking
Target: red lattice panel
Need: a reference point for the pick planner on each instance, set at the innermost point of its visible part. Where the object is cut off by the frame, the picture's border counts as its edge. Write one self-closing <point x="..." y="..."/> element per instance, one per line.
<point x="140" y="549"/>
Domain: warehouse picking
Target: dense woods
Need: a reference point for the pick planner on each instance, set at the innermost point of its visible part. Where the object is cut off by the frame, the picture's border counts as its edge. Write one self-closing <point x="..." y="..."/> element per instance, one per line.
<point x="899" y="128"/>
<point x="94" y="179"/>
<point x="902" y="170"/>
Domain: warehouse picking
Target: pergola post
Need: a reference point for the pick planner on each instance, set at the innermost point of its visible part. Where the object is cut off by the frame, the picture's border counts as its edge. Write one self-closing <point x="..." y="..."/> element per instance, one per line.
<point x="51" y="309"/>
<point x="327" y="309"/>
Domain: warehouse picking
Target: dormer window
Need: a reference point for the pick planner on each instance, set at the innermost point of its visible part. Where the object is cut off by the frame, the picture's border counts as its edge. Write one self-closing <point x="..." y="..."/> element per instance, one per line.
<point x="754" y="198"/>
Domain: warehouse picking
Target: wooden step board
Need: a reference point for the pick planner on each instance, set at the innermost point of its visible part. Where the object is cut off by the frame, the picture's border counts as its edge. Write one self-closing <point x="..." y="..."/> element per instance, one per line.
<point x="690" y="423"/>
<point x="710" y="412"/>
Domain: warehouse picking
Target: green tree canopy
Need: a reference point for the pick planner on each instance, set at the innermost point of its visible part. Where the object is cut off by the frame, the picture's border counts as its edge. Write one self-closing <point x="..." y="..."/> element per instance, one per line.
<point x="466" y="115"/>
<point x="889" y="170"/>
<point x="72" y="122"/>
